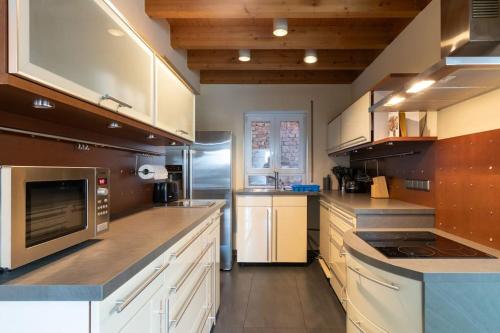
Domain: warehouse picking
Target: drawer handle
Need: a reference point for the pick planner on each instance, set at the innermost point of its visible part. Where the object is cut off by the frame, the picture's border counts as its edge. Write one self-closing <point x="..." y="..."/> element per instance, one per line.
<point x="357" y="323"/>
<point x="122" y="304"/>
<point x="343" y="252"/>
<point x="182" y="132"/>
<point x="191" y="268"/>
<point x="382" y="283"/>
<point x="324" y="204"/>
<point x="341" y="214"/>
<point x="182" y="311"/>
<point x="216" y="217"/>
<point x="188" y="244"/>
<point x="116" y="100"/>
<point x="204" y="318"/>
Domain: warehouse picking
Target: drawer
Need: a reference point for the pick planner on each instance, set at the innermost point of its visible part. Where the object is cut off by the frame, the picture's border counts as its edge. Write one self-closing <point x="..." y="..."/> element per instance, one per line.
<point x="206" y="321"/>
<point x="254" y="201"/>
<point x="357" y="323"/>
<point x="342" y="219"/>
<point x="338" y="261"/>
<point x="186" y="309"/>
<point x="117" y="309"/>
<point x="338" y="288"/>
<point x="290" y="201"/>
<point x="390" y="301"/>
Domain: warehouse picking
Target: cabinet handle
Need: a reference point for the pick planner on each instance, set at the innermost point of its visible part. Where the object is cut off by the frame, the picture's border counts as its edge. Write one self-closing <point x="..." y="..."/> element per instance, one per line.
<point x="122" y="304"/>
<point x="276" y="235"/>
<point x="341" y="214"/>
<point x="382" y="283"/>
<point x="268" y="211"/>
<point x="352" y="140"/>
<point x="357" y="323"/>
<point x="204" y="319"/>
<point x="186" y="304"/>
<point x="343" y="252"/>
<point x="216" y="217"/>
<point x="324" y="204"/>
<point x="116" y="100"/>
<point x="182" y="132"/>
<point x="191" y="268"/>
<point x="188" y="244"/>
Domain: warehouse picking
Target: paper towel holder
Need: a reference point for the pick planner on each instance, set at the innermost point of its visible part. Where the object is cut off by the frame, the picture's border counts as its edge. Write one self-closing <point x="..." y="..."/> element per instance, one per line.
<point x="136" y="170"/>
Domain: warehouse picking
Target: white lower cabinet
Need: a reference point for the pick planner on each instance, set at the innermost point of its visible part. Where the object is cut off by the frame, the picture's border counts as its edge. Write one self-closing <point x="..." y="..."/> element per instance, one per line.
<point x="271" y="229"/>
<point x="387" y="301"/>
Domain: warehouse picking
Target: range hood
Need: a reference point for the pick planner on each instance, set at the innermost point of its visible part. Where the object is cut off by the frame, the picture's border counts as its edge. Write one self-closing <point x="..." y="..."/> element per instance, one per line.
<point x="470" y="64"/>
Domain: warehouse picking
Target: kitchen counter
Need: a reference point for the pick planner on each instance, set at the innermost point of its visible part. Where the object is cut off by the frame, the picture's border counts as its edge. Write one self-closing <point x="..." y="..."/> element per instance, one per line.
<point x="429" y="270"/>
<point x="265" y="191"/>
<point x="93" y="270"/>
<point x="363" y="204"/>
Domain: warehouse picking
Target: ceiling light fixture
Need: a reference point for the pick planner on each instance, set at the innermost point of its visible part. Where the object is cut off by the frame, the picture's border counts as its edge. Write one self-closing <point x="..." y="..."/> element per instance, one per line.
<point x="395" y="100"/>
<point x="244" y="55"/>
<point x="310" y="56"/>
<point x="43" y="104"/>
<point x="420" y="86"/>
<point x="280" y="27"/>
<point x="116" y="32"/>
<point x="114" y="124"/>
<point x="150" y="136"/>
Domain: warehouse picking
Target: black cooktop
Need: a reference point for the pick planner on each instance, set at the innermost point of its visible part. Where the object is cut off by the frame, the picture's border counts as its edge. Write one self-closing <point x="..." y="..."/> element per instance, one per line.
<point x="418" y="244"/>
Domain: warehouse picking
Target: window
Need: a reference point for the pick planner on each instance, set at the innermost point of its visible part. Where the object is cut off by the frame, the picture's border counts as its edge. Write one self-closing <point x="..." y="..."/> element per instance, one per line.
<point x="275" y="142"/>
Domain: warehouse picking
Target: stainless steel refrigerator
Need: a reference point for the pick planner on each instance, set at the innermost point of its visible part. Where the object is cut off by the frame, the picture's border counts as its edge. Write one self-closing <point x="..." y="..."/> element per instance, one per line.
<point x="211" y="178"/>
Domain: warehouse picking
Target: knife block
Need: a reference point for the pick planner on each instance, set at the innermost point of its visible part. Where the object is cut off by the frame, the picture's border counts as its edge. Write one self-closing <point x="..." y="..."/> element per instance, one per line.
<point x="379" y="188"/>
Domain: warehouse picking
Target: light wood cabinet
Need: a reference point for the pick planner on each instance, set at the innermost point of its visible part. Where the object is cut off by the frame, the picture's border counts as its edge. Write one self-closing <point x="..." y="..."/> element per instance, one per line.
<point x="324" y="232"/>
<point x="390" y="301"/>
<point x="334" y="134"/>
<point x="85" y="49"/>
<point x="271" y="229"/>
<point x="174" y="103"/>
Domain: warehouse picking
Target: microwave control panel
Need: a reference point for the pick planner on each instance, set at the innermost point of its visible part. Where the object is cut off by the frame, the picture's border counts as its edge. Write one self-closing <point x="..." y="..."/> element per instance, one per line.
<point x="102" y="199"/>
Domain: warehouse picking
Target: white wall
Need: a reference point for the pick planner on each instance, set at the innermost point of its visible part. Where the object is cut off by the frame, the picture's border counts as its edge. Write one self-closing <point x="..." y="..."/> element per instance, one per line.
<point x="222" y="107"/>
<point x="157" y="34"/>
<point x="414" y="50"/>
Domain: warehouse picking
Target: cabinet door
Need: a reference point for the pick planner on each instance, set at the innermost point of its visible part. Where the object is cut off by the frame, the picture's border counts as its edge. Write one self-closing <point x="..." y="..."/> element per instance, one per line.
<point x="254" y="234"/>
<point x="324" y="233"/>
<point x="174" y="103"/>
<point x="334" y="134"/>
<point x="356" y="123"/>
<point x="290" y="224"/>
<point x="83" y="48"/>
<point x="150" y="318"/>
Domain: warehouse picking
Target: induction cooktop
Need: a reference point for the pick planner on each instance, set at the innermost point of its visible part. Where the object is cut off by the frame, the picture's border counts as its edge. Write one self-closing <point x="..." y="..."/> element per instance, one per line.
<point x="418" y="244"/>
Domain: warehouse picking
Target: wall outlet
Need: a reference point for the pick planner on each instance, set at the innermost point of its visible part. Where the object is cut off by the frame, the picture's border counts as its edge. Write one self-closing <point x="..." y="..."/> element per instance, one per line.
<point x="418" y="185"/>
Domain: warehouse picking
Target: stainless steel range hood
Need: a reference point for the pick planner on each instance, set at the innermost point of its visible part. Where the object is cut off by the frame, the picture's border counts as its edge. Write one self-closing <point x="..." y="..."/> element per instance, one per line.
<point x="470" y="64"/>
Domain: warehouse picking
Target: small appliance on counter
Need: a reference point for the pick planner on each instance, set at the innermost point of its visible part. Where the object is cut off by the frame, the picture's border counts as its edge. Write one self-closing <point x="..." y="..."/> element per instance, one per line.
<point x="48" y="209"/>
<point x="165" y="192"/>
<point x="352" y="180"/>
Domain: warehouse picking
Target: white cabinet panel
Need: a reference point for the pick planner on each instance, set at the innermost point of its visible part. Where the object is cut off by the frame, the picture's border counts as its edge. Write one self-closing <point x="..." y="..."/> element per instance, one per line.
<point x="324" y="232"/>
<point x="290" y="231"/>
<point x="356" y="123"/>
<point x="174" y="103"/>
<point x="390" y="301"/>
<point x="83" y="48"/>
<point x="334" y="134"/>
<point x="254" y="234"/>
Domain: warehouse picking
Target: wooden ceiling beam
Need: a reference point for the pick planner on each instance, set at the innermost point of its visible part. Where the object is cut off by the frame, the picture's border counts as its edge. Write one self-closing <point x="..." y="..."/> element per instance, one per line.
<point x="277" y="77"/>
<point x="195" y="9"/>
<point x="280" y="60"/>
<point x="302" y="34"/>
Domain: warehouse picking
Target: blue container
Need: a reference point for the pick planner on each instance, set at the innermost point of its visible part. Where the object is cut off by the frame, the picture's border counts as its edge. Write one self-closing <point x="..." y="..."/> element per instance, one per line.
<point x="305" y="188"/>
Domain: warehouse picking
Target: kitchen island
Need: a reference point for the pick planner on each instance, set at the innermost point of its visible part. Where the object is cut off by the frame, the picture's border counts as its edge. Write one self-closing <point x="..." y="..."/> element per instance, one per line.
<point x="124" y="277"/>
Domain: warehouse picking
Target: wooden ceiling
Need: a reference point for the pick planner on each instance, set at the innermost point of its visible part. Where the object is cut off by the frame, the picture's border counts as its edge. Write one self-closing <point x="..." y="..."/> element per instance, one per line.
<point x="347" y="34"/>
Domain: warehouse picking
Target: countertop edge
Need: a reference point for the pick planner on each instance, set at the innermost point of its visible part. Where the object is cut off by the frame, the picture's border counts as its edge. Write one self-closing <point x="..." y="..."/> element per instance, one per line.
<point x="96" y="292"/>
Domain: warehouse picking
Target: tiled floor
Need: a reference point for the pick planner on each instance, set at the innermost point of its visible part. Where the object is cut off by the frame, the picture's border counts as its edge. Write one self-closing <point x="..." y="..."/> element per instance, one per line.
<point x="276" y="299"/>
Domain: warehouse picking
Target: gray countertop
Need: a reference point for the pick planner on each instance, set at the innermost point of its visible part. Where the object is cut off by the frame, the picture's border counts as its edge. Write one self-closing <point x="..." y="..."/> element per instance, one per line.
<point x="363" y="204"/>
<point x="429" y="270"/>
<point x="93" y="270"/>
<point x="254" y="191"/>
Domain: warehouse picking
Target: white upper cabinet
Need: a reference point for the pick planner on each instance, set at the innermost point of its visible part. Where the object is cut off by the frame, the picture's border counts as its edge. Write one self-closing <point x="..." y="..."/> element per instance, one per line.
<point x="83" y="48"/>
<point x="356" y="123"/>
<point x="174" y="103"/>
<point x="334" y="134"/>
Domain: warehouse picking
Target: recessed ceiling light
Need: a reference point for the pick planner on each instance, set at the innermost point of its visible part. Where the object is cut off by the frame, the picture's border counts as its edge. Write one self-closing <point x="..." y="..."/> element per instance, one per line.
<point x="244" y="55"/>
<point x="280" y="27"/>
<point x="150" y="136"/>
<point x="395" y="100"/>
<point x="116" y="32"/>
<point x="114" y="124"/>
<point x="420" y="85"/>
<point x="43" y="104"/>
<point x="310" y="56"/>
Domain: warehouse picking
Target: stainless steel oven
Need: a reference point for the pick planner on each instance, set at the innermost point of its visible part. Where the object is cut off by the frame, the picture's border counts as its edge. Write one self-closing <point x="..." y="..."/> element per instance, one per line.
<point x="44" y="210"/>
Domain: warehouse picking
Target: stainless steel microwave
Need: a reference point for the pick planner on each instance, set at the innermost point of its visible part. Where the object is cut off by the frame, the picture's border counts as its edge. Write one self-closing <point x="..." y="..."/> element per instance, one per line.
<point x="44" y="210"/>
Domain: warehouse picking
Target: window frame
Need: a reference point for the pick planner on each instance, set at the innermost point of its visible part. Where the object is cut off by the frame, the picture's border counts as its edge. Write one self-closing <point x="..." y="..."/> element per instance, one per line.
<point x="276" y="117"/>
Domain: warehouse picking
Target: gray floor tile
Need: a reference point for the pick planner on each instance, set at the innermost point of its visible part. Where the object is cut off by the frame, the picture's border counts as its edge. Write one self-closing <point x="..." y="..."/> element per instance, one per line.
<point x="274" y="303"/>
